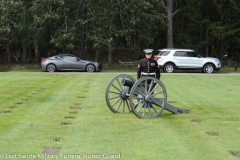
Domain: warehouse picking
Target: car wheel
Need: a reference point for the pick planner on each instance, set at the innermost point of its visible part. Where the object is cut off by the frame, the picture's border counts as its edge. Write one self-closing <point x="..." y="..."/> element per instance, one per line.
<point x="208" y="68"/>
<point x="169" y="68"/>
<point x="51" y="68"/>
<point x="90" y="68"/>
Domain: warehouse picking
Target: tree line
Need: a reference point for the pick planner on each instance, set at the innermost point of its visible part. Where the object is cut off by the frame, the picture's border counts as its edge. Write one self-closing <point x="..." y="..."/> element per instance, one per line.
<point x="31" y="29"/>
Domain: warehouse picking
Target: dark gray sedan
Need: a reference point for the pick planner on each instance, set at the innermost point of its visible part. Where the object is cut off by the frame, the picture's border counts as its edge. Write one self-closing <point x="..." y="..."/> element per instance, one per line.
<point x="69" y="62"/>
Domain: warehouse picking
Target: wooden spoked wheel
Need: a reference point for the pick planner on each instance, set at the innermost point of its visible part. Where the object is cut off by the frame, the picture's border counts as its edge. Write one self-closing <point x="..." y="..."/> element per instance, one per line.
<point x="117" y="95"/>
<point x="148" y="97"/>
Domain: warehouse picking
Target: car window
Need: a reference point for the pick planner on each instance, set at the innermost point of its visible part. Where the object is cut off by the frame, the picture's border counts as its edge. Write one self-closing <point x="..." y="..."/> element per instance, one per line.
<point x="198" y="55"/>
<point x="164" y="53"/>
<point x="69" y="58"/>
<point x="191" y="54"/>
<point x="180" y="54"/>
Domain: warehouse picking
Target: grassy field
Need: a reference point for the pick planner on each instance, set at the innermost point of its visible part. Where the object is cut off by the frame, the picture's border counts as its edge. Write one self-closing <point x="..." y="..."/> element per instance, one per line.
<point x="67" y="114"/>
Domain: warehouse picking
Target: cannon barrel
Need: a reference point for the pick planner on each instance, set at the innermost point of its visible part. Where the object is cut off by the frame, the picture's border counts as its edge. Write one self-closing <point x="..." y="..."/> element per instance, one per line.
<point x="127" y="83"/>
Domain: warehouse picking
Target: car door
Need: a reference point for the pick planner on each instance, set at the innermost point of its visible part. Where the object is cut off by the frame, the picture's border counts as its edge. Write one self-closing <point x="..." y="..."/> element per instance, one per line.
<point x="71" y="62"/>
<point x="195" y="61"/>
<point x="181" y="59"/>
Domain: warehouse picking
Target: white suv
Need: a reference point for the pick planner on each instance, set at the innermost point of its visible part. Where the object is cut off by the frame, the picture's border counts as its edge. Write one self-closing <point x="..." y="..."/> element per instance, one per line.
<point x="182" y="59"/>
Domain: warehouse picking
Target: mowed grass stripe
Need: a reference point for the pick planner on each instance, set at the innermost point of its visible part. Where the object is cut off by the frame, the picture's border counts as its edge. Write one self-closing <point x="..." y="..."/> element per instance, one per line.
<point x="209" y="131"/>
<point x="40" y="117"/>
<point x="211" y="106"/>
<point x="22" y="87"/>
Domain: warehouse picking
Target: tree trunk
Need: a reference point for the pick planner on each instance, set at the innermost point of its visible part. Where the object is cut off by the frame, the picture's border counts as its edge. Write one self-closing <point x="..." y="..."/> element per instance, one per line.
<point x="80" y="15"/>
<point x="169" y="24"/>
<point x="37" y="53"/>
<point x="24" y="56"/>
<point x="206" y="50"/>
<point x="8" y="55"/>
<point x="30" y="55"/>
<point x="97" y="55"/>
<point x="222" y="50"/>
<point x="110" y="53"/>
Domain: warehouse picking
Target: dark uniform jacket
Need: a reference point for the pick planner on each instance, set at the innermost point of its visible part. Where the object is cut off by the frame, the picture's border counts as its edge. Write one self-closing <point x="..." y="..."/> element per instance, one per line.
<point x="148" y="66"/>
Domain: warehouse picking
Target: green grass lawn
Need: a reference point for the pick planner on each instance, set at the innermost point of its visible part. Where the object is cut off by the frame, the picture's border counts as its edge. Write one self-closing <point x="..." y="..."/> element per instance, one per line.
<point x="67" y="112"/>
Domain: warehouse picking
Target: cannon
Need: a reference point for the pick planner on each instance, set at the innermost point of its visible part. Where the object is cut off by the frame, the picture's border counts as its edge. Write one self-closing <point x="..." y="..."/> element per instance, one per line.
<point x="146" y="97"/>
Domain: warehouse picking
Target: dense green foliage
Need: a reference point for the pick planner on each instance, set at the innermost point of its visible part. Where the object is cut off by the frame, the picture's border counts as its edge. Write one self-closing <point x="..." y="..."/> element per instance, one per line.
<point x="30" y="29"/>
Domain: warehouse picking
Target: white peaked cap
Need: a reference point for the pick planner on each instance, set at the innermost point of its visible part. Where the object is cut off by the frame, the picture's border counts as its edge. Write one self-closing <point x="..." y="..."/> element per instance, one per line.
<point x="148" y="51"/>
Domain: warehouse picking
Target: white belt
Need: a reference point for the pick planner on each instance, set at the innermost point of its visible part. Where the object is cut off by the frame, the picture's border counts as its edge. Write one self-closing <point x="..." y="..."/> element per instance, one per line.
<point x="148" y="74"/>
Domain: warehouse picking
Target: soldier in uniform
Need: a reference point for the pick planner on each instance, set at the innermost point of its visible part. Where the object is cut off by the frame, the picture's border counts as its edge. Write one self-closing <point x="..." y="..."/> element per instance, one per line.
<point x="148" y="66"/>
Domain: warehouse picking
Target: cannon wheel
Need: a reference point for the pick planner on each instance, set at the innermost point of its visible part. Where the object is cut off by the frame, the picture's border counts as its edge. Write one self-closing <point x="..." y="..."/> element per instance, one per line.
<point x="148" y="97"/>
<point x="117" y="95"/>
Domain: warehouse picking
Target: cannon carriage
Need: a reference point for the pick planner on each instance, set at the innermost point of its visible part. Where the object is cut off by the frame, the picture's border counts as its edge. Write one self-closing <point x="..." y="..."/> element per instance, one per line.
<point x="146" y="97"/>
